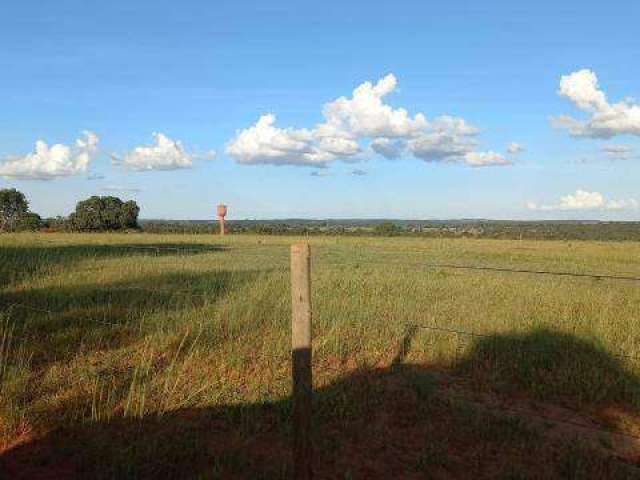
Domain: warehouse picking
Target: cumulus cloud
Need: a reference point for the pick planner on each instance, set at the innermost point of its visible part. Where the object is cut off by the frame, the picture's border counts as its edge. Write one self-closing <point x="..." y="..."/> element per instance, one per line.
<point x="605" y="119"/>
<point x="514" y="148"/>
<point x="358" y="172"/>
<point x="481" y="159"/>
<point x="366" y="115"/>
<point x="586" y="200"/>
<point x="266" y="143"/>
<point x="439" y="146"/>
<point x="48" y="162"/>
<point x="351" y="121"/>
<point x="165" y="154"/>
<point x="388" y="148"/>
<point x="619" y="152"/>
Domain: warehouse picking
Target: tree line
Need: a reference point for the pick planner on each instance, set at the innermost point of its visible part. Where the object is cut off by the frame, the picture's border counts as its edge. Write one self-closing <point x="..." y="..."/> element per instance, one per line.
<point x="96" y="213"/>
<point x="486" y="229"/>
<point x="111" y="213"/>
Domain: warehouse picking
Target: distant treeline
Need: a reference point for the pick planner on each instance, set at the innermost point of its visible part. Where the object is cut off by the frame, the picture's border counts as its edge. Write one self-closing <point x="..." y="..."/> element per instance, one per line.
<point x="529" y="230"/>
<point x="112" y="214"/>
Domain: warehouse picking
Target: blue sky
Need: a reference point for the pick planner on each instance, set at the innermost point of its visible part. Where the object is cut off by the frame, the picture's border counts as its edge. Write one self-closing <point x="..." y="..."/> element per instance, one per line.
<point x="202" y="74"/>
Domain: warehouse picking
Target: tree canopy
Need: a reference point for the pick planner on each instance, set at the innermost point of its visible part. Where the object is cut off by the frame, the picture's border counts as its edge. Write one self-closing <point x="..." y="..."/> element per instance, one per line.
<point x="105" y="213"/>
<point x="14" y="209"/>
<point x="387" y="228"/>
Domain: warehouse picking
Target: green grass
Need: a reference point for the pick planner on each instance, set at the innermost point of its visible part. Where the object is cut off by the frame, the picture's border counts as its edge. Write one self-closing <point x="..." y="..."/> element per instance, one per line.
<point x="97" y="337"/>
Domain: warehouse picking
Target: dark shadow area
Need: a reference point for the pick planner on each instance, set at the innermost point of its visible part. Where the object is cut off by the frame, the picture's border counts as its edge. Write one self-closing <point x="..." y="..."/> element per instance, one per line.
<point x="55" y="322"/>
<point x="554" y="366"/>
<point x="404" y="421"/>
<point x="18" y="263"/>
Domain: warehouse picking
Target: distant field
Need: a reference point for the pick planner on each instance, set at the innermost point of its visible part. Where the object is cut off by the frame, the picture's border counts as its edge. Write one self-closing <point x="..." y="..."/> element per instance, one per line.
<point x="173" y="359"/>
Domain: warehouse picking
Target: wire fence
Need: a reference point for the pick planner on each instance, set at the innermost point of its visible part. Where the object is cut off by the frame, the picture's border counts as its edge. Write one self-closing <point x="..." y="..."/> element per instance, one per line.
<point x="322" y="260"/>
<point x="493" y="338"/>
<point x="483" y="268"/>
<point x="318" y="260"/>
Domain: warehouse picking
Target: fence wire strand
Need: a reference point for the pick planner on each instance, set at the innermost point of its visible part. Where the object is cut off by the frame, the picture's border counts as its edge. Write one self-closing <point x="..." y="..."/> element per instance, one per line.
<point x="277" y="361"/>
<point x="597" y="276"/>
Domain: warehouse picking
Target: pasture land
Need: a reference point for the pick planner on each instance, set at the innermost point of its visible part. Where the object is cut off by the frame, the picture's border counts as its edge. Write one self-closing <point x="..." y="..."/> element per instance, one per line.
<point x="133" y="355"/>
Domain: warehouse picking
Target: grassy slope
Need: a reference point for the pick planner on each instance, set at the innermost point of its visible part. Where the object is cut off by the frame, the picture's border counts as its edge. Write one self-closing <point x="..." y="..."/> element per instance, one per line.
<point x="177" y="361"/>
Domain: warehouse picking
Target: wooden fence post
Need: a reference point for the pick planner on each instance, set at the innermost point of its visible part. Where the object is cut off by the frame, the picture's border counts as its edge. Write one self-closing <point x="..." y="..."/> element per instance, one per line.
<point x="301" y="358"/>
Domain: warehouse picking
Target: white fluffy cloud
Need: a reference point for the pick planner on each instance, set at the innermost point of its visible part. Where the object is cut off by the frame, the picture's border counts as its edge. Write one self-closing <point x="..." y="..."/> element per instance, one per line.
<point x="514" y="148"/>
<point x="349" y="122"/>
<point x="605" y="119"/>
<point x="48" y="162"/>
<point x="266" y="143"/>
<point x="366" y="115"/>
<point x="165" y="154"/>
<point x="585" y="200"/>
<point x="619" y="152"/>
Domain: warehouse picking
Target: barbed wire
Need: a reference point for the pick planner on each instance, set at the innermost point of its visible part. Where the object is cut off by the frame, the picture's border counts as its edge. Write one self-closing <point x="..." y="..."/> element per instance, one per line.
<point x="171" y="292"/>
<point x="323" y="365"/>
<point x="436" y="328"/>
<point x="282" y="361"/>
<point x="599" y="276"/>
<point x="502" y="408"/>
<point x="524" y="413"/>
<point x="52" y="312"/>
<point x="248" y="250"/>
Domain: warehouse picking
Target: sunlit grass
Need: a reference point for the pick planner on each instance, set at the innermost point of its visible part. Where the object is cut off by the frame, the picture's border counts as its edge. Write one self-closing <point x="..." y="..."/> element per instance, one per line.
<point x="92" y="329"/>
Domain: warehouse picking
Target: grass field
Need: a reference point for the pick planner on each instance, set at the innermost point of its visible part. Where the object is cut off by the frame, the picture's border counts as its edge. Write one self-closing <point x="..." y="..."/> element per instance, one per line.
<point x="120" y="361"/>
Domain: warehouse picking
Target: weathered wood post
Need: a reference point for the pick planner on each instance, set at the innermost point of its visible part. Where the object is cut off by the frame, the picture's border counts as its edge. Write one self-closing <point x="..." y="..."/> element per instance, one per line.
<point x="301" y="358"/>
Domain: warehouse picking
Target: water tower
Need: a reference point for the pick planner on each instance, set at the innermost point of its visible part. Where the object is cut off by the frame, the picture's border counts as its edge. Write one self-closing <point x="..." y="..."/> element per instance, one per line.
<point x="221" y="212"/>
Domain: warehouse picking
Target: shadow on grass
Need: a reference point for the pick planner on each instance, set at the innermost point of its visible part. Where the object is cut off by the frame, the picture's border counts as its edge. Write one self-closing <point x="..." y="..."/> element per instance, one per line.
<point x="19" y="263"/>
<point x="396" y="422"/>
<point x="55" y="322"/>
<point x="553" y="366"/>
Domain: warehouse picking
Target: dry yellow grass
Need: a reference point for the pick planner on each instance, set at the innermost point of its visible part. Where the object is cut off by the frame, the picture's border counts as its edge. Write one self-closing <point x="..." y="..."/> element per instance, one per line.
<point x="95" y="328"/>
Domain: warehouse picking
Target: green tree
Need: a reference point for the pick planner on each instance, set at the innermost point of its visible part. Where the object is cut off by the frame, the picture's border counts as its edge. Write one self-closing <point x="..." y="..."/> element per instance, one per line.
<point x="387" y="229"/>
<point x="58" y="224"/>
<point x="105" y="213"/>
<point x="13" y="206"/>
<point x="29" y="221"/>
<point x="129" y="214"/>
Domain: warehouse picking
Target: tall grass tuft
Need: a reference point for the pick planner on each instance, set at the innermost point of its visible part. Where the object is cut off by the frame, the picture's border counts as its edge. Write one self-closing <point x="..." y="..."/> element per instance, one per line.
<point x="15" y="387"/>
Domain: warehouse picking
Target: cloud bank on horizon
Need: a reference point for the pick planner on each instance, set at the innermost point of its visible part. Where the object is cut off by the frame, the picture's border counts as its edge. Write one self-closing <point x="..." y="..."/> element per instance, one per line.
<point x="350" y="122"/>
<point x="586" y="200"/>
